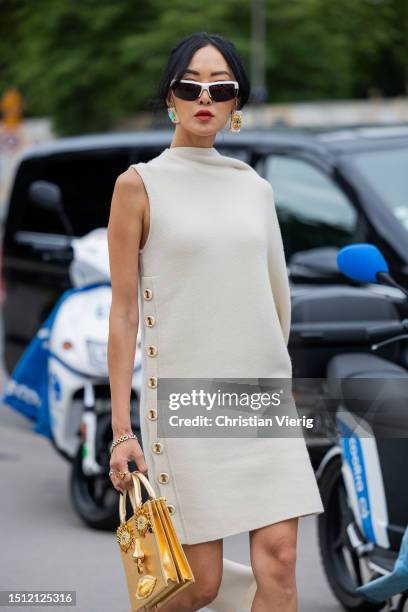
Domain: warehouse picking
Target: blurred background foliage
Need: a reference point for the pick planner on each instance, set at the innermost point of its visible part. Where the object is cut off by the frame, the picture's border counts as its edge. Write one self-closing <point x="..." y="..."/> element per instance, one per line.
<point x="89" y="64"/>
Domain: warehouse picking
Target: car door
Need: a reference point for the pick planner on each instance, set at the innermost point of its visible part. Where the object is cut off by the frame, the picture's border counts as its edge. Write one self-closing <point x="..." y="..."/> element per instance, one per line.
<point x="35" y="261"/>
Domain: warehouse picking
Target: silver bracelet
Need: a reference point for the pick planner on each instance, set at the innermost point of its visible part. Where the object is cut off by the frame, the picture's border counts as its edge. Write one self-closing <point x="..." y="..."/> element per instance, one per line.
<point x="122" y="439"/>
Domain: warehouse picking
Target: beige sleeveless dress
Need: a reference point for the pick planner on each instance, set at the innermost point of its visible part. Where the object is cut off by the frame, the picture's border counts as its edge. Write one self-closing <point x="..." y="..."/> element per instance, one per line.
<point x="214" y="301"/>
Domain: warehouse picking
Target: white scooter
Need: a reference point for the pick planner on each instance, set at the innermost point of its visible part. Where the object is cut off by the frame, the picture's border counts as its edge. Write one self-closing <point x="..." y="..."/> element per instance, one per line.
<point x="61" y="381"/>
<point x="79" y="392"/>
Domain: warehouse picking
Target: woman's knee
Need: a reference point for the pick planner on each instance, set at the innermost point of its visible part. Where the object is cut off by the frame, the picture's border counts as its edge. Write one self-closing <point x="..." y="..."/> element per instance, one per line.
<point x="205" y="589"/>
<point x="276" y="562"/>
<point x="274" y="554"/>
<point x="206" y="562"/>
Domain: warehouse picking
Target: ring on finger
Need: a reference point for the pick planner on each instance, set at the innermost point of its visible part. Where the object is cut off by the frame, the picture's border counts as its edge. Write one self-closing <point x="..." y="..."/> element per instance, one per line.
<point x="123" y="474"/>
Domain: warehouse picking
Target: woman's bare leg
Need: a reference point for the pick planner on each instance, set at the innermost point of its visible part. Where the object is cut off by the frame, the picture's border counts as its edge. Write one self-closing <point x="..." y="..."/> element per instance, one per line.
<point x="273" y="552"/>
<point x="205" y="560"/>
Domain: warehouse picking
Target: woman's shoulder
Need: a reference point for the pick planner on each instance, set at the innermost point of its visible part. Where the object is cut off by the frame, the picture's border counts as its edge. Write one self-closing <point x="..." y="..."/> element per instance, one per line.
<point x="130" y="188"/>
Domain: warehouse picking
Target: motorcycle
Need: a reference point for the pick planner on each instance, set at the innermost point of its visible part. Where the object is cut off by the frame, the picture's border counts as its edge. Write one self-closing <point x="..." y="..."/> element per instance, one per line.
<point x="61" y="381"/>
<point x="363" y="533"/>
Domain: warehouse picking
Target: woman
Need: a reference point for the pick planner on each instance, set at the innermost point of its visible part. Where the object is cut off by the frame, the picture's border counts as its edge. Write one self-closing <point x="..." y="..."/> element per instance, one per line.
<point x="211" y="283"/>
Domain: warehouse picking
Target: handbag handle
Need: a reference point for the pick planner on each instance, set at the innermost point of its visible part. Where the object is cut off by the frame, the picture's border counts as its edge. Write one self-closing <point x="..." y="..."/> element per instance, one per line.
<point x="135" y="496"/>
<point x="146" y="483"/>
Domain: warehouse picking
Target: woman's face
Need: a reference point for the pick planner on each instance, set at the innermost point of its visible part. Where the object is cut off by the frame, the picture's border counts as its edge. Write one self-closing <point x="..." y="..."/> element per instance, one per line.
<point x="206" y="65"/>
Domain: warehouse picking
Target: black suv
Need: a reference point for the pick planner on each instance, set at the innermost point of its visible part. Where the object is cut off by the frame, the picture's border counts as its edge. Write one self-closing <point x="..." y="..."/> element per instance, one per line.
<point x="331" y="189"/>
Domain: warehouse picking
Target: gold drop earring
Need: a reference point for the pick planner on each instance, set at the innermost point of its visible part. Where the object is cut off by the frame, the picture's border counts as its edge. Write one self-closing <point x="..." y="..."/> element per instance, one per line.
<point x="236" y="121"/>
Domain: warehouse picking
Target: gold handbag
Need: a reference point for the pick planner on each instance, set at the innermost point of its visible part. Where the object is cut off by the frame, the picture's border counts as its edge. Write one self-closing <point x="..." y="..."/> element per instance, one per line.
<point x="155" y="563"/>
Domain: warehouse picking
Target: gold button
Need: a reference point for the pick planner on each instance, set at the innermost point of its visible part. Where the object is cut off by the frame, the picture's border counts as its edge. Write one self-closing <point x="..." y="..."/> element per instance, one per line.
<point x="149" y="320"/>
<point x="163" y="478"/>
<point x="152" y="382"/>
<point x="151" y="350"/>
<point x="171" y="508"/>
<point x="152" y="414"/>
<point x="147" y="294"/>
<point x="157" y="447"/>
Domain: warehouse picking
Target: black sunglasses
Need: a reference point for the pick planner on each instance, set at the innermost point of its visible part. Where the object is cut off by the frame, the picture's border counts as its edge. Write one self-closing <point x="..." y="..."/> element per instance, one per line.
<point x="219" y="91"/>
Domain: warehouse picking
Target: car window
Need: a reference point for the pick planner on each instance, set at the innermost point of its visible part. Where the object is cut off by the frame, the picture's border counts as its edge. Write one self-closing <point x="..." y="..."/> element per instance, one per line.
<point x="386" y="171"/>
<point x="312" y="210"/>
<point x="86" y="181"/>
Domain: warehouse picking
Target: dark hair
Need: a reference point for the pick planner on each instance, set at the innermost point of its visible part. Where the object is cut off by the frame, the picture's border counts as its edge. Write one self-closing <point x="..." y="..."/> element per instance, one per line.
<point x="182" y="53"/>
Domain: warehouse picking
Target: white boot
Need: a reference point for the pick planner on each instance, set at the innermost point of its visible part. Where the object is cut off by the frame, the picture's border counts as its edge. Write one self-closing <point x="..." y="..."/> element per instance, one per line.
<point x="237" y="589"/>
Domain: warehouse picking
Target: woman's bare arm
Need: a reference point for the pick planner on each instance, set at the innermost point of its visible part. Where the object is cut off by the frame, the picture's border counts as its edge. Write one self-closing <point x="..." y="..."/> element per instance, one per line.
<point x="125" y="230"/>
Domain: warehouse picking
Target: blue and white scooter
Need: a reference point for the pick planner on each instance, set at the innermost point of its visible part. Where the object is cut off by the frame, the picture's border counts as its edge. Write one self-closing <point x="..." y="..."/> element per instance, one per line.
<point x="363" y="479"/>
<point x="61" y="381"/>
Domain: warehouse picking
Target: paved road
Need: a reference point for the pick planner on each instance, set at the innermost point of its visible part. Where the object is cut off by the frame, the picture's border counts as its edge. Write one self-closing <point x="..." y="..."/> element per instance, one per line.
<point x="44" y="545"/>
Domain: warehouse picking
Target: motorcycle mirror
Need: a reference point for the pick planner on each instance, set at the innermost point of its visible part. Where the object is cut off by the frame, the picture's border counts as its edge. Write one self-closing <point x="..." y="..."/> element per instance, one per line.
<point x="46" y="195"/>
<point x="362" y="262"/>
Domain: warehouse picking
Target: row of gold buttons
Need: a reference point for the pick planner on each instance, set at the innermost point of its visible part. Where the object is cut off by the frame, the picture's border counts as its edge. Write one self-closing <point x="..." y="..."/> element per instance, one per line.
<point x="151" y="351"/>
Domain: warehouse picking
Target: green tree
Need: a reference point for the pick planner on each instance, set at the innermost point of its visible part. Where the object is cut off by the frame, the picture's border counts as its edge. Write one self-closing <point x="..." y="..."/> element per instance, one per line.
<point x="92" y="63"/>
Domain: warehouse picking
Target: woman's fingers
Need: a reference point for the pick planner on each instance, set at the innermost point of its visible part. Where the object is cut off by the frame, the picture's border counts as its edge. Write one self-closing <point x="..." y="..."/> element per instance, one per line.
<point x="120" y="475"/>
<point x="121" y="478"/>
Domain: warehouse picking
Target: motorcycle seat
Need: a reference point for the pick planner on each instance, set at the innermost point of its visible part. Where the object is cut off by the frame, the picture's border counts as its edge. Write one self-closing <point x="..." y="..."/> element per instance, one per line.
<point x="373" y="388"/>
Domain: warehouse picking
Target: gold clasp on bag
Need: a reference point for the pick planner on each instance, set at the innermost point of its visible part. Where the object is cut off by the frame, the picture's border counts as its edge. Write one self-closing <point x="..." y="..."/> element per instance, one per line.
<point x="142" y="521"/>
<point x="125" y="536"/>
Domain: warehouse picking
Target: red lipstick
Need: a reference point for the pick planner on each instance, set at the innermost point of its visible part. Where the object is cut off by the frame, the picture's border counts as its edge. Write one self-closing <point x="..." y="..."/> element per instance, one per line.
<point x="204" y="115"/>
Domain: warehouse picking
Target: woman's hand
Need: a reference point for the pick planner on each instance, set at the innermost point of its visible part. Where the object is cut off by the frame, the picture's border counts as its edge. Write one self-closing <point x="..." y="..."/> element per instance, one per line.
<point x="121" y="454"/>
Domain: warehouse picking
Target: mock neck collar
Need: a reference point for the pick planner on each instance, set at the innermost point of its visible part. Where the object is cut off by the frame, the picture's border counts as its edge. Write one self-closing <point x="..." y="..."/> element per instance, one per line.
<point x="207" y="157"/>
<point x="192" y="152"/>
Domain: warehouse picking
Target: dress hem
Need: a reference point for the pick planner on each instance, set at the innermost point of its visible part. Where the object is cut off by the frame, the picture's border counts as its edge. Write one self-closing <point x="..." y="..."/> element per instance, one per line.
<point x="264" y="523"/>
